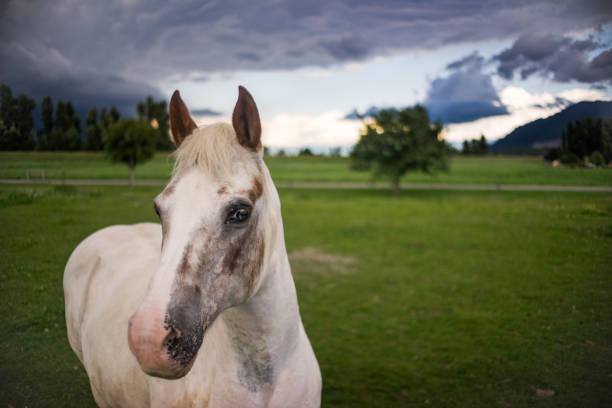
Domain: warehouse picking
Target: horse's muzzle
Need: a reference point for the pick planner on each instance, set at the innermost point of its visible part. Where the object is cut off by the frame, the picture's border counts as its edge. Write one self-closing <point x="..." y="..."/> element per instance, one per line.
<point x="154" y="344"/>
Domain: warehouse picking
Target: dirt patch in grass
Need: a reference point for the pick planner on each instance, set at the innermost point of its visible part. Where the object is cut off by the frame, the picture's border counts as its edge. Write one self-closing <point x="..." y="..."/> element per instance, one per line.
<point x="314" y="260"/>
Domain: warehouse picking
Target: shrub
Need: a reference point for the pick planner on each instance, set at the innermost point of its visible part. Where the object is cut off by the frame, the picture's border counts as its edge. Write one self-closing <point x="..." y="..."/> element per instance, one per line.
<point x="569" y="159"/>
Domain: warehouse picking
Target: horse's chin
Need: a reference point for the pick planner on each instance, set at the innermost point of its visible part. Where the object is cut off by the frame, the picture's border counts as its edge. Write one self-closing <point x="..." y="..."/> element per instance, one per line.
<point x="174" y="372"/>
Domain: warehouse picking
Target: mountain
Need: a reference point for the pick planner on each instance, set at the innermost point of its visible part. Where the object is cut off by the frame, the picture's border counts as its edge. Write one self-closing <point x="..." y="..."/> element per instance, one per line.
<point x="545" y="133"/>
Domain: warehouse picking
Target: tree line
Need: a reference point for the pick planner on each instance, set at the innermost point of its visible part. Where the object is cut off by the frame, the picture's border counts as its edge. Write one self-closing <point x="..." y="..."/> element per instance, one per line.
<point x="475" y="146"/>
<point x="586" y="142"/>
<point x="62" y="126"/>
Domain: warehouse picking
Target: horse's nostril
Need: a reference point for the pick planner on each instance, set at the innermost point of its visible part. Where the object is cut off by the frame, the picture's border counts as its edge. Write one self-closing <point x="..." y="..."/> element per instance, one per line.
<point x="172" y="341"/>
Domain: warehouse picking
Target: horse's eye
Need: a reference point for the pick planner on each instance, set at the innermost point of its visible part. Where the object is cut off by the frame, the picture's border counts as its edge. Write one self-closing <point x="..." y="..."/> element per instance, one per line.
<point x="238" y="215"/>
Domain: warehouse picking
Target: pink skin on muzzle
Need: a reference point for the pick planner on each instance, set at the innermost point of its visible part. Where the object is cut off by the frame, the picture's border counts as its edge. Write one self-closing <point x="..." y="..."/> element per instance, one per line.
<point x="148" y="339"/>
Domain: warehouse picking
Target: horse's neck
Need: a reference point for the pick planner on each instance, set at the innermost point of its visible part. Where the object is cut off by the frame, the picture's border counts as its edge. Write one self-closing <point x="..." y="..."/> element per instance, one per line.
<point x="264" y="330"/>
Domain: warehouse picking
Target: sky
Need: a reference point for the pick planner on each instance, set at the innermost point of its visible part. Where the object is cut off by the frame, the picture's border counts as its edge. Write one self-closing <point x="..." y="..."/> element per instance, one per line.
<point x="481" y="67"/>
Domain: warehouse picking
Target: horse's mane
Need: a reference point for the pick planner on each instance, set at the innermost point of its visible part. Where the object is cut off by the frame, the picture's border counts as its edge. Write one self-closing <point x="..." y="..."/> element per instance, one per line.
<point x="213" y="149"/>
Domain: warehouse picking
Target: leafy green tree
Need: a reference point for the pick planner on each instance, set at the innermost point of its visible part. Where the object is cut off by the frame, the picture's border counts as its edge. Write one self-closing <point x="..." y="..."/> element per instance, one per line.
<point x="4" y="137"/>
<point x="157" y="114"/>
<point x="305" y="152"/>
<point x="7" y="141"/>
<point x="583" y="137"/>
<point x="46" y="114"/>
<point x="24" y="120"/>
<point x="69" y="139"/>
<point x="398" y="142"/>
<point x="131" y="142"/>
<point x="73" y="118"/>
<point x="93" y="131"/>
<point x="483" y="145"/>
<point x="62" y="120"/>
<point x="48" y="122"/>
<point x="108" y="117"/>
<point x="18" y="120"/>
<point x="105" y="120"/>
<point x="6" y="105"/>
<point x="475" y="146"/>
<point x="115" y="115"/>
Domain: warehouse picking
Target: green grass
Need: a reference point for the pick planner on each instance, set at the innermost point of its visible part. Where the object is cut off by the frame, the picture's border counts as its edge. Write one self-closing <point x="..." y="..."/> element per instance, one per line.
<point x="478" y="170"/>
<point x="470" y="299"/>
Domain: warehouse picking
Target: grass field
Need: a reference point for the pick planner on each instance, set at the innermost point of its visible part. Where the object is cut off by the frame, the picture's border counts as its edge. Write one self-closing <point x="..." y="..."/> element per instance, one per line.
<point x="442" y="298"/>
<point x="478" y="170"/>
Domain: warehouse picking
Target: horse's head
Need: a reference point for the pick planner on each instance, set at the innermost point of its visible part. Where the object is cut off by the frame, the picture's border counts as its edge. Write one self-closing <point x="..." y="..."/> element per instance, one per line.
<point x="216" y="218"/>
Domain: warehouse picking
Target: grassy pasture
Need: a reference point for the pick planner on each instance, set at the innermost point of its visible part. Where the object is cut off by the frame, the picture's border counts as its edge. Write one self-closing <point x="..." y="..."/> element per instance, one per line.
<point x="478" y="170"/>
<point x="438" y="298"/>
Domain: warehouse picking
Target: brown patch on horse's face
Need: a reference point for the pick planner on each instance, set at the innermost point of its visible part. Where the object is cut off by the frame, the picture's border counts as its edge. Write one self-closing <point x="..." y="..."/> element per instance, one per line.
<point x="219" y="268"/>
<point x="222" y="190"/>
<point x="183" y="268"/>
<point x="256" y="191"/>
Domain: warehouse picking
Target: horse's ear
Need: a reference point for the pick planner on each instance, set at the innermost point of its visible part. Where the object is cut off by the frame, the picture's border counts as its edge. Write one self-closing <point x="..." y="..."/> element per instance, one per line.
<point x="181" y="123"/>
<point x="246" y="121"/>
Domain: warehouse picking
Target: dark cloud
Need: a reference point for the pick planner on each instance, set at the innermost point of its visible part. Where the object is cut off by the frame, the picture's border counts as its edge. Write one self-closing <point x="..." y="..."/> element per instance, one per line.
<point x="248" y="56"/>
<point x="465" y="95"/>
<point x="471" y="60"/>
<point x="204" y="112"/>
<point x="45" y="71"/>
<point x="347" y="48"/>
<point x="110" y="48"/>
<point x="200" y="78"/>
<point x="557" y="57"/>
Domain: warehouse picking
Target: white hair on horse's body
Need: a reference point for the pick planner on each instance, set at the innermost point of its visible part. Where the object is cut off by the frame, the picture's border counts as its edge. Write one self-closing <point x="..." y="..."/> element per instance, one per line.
<point x="212" y="318"/>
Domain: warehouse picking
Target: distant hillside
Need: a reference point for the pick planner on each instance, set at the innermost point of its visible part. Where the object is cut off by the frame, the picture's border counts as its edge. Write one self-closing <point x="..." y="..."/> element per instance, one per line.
<point x="542" y="134"/>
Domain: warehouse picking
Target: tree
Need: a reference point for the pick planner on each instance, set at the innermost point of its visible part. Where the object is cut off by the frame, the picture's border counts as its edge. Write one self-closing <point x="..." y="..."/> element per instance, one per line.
<point x="305" y="152"/>
<point x="131" y="142"/>
<point x="115" y="115"/>
<point x="475" y="146"/>
<point x="6" y="105"/>
<point x="46" y="114"/>
<point x="584" y="137"/>
<point x="18" y="120"/>
<point x="398" y="142"/>
<point x="157" y="114"/>
<point x="62" y="120"/>
<point x="24" y="121"/>
<point x="93" y="131"/>
<point x="72" y="117"/>
<point x="483" y="145"/>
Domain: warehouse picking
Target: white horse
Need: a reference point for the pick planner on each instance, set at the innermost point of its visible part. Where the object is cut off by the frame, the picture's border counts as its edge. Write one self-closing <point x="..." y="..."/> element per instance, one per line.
<point x="202" y="310"/>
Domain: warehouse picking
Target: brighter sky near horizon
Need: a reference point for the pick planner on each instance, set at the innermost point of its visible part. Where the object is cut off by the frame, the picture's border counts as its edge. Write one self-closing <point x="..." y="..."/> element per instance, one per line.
<point x="307" y="106"/>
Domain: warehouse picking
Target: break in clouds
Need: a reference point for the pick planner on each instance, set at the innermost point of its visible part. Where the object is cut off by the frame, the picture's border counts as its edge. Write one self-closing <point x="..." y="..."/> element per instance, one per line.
<point x="468" y="94"/>
<point x="114" y="51"/>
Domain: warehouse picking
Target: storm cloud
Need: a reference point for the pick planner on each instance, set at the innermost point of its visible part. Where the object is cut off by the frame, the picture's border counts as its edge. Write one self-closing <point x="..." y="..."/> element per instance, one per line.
<point x="115" y="51"/>
<point x="558" y="57"/>
<point x="465" y="95"/>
